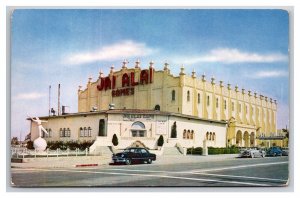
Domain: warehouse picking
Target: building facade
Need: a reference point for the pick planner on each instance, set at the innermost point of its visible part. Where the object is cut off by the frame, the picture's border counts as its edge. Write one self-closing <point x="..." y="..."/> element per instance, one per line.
<point x="141" y="104"/>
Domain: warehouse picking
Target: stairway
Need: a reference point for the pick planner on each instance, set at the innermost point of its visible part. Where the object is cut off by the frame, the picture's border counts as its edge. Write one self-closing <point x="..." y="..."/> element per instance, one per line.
<point x="102" y="150"/>
<point x="171" y="151"/>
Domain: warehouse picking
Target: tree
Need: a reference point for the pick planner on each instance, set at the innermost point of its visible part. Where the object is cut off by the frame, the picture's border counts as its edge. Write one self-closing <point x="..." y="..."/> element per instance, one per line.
<point x="174" y="131"/>
<point x="115" y="140"/>
<point x="160" y="141"/>
<point x="14" y="141"/>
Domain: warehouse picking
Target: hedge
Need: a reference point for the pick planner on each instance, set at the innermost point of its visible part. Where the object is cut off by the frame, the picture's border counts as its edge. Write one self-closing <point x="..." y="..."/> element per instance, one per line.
<point x="72" y="145"/>
<point x="213" y="150"/>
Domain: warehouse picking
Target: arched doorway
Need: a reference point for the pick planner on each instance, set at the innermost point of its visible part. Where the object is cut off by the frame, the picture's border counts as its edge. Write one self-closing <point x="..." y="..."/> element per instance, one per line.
<point x="252" y="139"/>
<point x="238" y="138"/>
<point x="138" y="129"/>
<point x="246" y="139"/>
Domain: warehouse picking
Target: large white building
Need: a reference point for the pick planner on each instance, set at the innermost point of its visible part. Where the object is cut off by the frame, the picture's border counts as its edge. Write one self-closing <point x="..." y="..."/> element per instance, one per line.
<point x="138" y="105"/>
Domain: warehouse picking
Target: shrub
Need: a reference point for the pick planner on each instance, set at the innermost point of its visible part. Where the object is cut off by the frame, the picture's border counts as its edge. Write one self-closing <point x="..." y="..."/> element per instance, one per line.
<point x="160" y="141"/>
<point x="195" y="151"/>
<point x="115" y="140"/>
<point x="222" y="150"/>
<point x="30" y="145"/>
<point x="72" y="145"/>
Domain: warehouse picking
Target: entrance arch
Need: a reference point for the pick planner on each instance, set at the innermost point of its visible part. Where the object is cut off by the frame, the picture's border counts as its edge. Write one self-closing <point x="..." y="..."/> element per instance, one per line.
<point x="246" y="139"/>
<point x="138" y="129"/>
<point x="238" y="138"/>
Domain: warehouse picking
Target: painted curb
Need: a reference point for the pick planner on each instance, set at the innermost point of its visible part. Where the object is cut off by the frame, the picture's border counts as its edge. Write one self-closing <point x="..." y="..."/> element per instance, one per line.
<point x="84" y="165"/>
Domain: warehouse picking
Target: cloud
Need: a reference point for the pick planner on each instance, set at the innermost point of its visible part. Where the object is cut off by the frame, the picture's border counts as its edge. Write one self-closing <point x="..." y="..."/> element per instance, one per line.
<point x="117" y="51"/>
<point x="230" y="56"/>
<point x="29" y="96"/>
<point x="269" y="74"/>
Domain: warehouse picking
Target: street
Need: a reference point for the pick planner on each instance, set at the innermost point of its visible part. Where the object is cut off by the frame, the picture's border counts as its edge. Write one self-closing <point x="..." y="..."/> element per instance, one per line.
<point x="259" y="172"/>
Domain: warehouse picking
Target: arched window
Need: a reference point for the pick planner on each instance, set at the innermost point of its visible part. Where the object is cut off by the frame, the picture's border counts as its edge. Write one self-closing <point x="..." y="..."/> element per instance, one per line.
<point x="89" y="131"/>
<point x="138" y="129"/>
<point x="210" y="136"/>
<point x="188" y="134"/>
<point x="199" y="100"/>
<point x="157" y="107"/>
<point x="192" y="134"/>
<point x="213" y="136"/>
<point x="68" y="132"/>
<point x="85" y="131"/>
<point x="207" y="100"/>
<point x="49" y="133"/>
<point x="207" y="135"/>
<point x="184" y="134"/>
<point x="217" y="103"/>
<point x="173" y="95"/>
<point x="81" y="132"/>
<point x="188" y="96"/>
<point x="61" y="132"/>
<point x="225" y="104"/>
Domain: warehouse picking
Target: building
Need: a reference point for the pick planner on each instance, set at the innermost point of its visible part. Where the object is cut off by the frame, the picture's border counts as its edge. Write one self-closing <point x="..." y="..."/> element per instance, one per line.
<point x="139" y="105"/>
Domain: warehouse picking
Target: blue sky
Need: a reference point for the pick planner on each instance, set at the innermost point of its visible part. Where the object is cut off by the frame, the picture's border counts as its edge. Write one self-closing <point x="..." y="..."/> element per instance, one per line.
<point x="244" y="47"/>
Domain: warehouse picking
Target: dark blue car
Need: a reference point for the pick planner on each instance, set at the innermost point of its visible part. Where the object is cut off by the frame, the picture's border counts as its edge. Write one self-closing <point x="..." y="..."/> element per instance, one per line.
<point x="274" y="151"/>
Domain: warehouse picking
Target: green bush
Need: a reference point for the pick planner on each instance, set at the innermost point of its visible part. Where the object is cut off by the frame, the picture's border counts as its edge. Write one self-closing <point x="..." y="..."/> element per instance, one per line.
<point x="30" y="145"/>
<point x="115" y="140"/>
<point x="222" y="150"/>
<point x="213" y="150"/>
<point x="160" y="141"/>
<point x="72" y="145"/>
<point x="195" y="151"/>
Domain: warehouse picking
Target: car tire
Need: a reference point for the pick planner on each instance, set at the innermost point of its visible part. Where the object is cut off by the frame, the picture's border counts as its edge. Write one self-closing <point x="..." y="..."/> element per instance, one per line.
<point x="252" y="155"/>
<point x="149" y="161"/>
<point x="128" y="161"/>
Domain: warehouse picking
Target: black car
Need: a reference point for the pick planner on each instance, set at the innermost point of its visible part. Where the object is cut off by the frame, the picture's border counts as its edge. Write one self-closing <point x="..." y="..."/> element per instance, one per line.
<point x="134" y="155"/>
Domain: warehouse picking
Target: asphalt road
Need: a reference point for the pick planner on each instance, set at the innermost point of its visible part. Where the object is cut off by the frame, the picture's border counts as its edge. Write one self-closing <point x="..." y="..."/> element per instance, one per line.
<point x="259" y="172"/>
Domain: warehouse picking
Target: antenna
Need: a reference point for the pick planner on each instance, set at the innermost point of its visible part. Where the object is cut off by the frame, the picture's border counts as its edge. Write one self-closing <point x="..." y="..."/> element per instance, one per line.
<point x="58" y="104"/>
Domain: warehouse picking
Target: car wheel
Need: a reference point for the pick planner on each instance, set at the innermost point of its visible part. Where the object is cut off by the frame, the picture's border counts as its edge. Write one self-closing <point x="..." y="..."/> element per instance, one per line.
<point x="252" y="155"/>
<point x="274" y="154"/>
<point x="149" y="161"/>
<point x="128" y="161"/>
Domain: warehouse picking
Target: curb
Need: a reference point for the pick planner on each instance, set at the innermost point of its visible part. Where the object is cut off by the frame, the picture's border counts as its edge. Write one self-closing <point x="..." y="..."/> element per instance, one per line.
<point x="85" y="165"/>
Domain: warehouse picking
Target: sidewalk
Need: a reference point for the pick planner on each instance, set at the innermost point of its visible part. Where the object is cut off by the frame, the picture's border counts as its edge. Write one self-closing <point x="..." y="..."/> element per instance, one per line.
<point x="88" y="161"/>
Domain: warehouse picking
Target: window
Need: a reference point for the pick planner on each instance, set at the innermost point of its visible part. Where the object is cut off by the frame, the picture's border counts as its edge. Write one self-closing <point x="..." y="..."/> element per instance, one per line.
<point x="188" y="96"/>
<point x="207" y="135"/>
<point x="207" y="100"/>
<point x="138" y="129"/>
<point x="184" y="134"/>
<point x="102" y="131"/>
<point x="65" y="132"/>
<point x="217" y="102"/>
<point x="157" y="108"/>
<point x="85" y="132"/>
<point x="210" y="136"/>
<point x="225" y="104"/>
<point x="240" y="107"/>
<point x="213" y="136"/>
<point x="89" y="131"/>
<point x="81" y="132"/>
<point x="173" y="95"/>
<point x="192" y="134"/>
<point x="232" y="106"/>
<point x="188" y="134"/>
<point x="198" y="98"/>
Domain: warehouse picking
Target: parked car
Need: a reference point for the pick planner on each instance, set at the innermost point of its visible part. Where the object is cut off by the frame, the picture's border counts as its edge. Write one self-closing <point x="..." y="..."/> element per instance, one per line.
<point x="134" y="155"/>
<point x="252" y="153"/>
<point x="285" y="151"/>
<point x="274" y="151"/>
